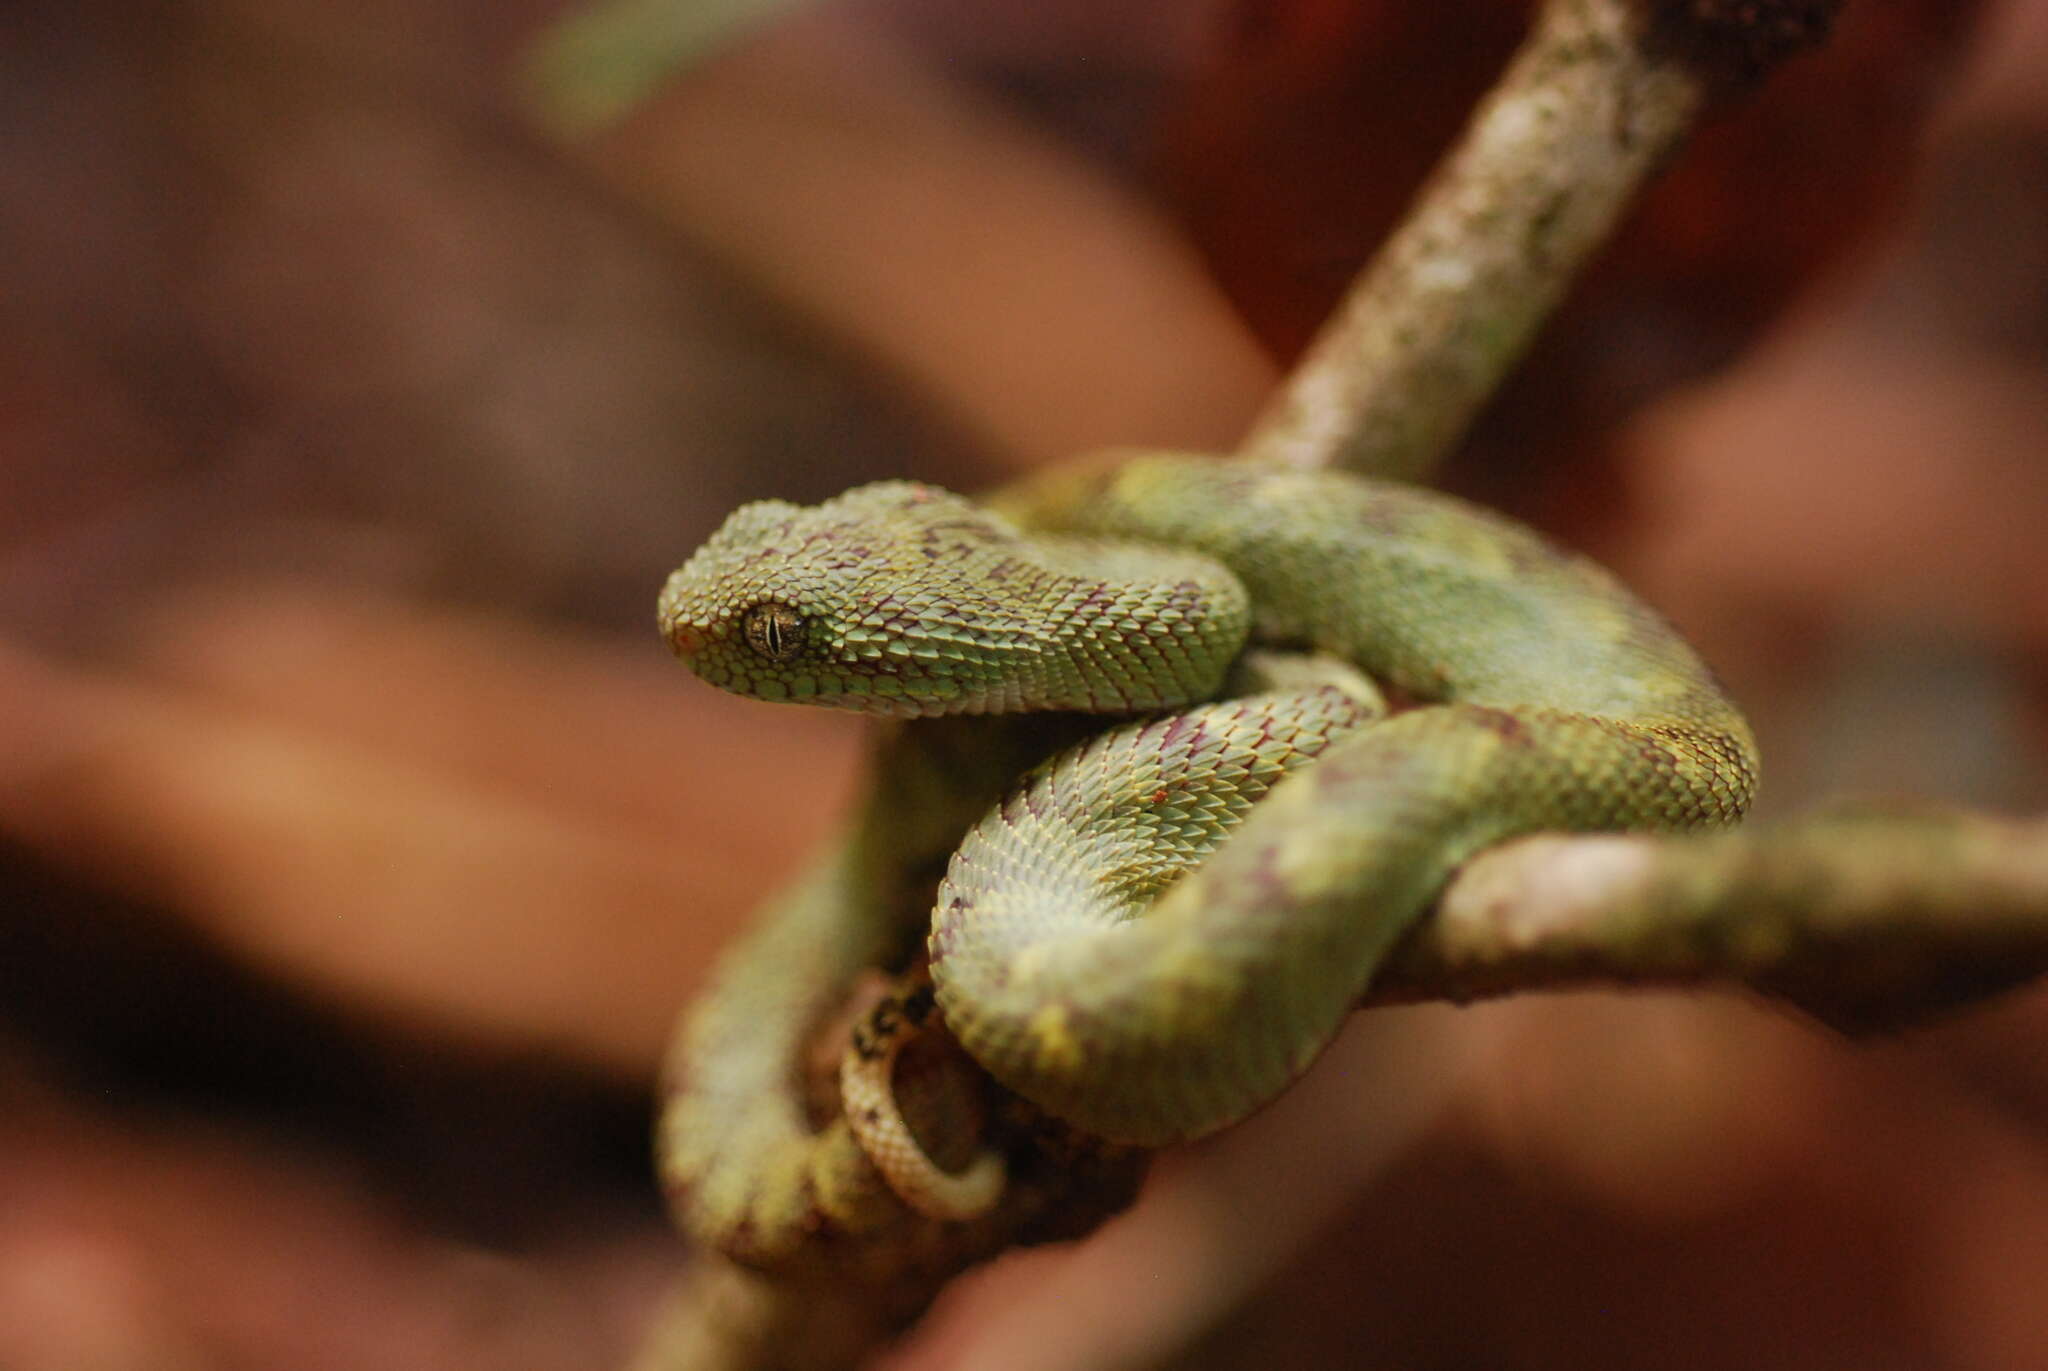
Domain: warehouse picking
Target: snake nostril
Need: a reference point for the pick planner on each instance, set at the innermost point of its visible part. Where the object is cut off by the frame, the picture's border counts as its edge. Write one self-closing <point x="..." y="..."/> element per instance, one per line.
<point x="685" y="640"/>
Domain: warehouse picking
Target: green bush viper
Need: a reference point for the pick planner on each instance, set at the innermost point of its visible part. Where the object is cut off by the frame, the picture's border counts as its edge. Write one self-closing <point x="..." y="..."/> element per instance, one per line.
<point x="1095" y="945"/>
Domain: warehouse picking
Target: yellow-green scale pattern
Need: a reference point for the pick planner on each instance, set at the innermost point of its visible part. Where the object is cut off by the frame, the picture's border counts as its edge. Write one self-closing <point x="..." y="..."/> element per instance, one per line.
<point x="902" y="599"/>
<point x="1546" y="697"/>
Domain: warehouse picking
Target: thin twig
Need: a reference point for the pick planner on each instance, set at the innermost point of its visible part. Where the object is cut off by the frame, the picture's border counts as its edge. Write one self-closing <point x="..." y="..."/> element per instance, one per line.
<point x="1866" y="921"/>
<point x="1598" y="97"/>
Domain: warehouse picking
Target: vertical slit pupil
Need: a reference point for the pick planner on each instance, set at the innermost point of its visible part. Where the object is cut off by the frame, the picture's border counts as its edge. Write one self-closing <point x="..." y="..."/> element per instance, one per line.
<point x="774" y="631"/>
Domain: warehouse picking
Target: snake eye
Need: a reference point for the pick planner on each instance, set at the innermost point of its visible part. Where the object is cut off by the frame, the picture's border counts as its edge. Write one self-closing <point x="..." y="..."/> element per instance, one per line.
<point x="775" y="631"/>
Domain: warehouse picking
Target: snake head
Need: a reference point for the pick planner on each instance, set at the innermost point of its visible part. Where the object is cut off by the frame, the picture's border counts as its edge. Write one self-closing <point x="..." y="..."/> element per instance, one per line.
<point x="878" y="600"/>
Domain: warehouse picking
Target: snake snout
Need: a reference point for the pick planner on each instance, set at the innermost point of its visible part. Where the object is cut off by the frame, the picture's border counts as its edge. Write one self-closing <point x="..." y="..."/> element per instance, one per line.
<point x="685" y="640"/>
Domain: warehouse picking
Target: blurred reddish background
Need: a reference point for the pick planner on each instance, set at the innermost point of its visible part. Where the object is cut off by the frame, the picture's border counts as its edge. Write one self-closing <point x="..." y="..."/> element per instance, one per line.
<point x="358" y="841"/>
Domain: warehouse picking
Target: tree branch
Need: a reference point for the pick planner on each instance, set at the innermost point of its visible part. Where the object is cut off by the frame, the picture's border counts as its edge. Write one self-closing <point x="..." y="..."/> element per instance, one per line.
<point x="1595" y="101"/>
<point x="1866" y="921"/>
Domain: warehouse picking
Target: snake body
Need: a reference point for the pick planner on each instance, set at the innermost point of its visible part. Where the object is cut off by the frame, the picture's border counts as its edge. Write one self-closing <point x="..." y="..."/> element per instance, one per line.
<point x="1127" y="940"/>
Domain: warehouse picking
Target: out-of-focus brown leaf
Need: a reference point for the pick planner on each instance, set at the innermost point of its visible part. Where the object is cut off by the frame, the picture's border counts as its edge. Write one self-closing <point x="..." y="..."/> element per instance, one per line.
<point x="530" y="838"/>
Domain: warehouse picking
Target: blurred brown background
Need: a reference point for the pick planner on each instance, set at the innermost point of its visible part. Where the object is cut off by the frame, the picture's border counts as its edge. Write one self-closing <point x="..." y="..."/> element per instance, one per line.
<point x="357" y="841"/>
